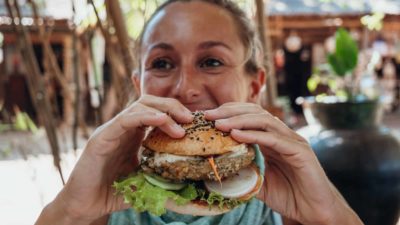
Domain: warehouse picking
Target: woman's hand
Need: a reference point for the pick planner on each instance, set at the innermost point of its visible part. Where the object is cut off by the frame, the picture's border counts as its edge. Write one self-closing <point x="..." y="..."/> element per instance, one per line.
<point x="110" y="153"/>
<point x="295" y="184"/>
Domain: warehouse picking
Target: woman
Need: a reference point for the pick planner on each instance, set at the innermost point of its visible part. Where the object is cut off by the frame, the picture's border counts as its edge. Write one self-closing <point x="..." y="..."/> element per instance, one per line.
<point x="199" y="55"/>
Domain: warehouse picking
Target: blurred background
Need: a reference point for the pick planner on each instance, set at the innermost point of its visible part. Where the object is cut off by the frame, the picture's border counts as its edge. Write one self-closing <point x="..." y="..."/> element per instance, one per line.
<point x="333" y="75"/>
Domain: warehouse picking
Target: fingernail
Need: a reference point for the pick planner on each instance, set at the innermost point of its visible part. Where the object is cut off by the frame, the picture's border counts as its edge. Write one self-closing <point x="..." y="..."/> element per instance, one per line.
<point x="178" y="128"/>
<point x="209" y="111"/>
<point x="160" y="114"/>
<point x="220" y="122"/>
<point x="188" y="118"/>
<point x="233" y="131"/>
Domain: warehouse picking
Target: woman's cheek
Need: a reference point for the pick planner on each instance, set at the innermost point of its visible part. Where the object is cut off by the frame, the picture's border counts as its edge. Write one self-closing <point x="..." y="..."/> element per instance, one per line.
<point x="155" y="86"/>
<point x="226" y="90"/>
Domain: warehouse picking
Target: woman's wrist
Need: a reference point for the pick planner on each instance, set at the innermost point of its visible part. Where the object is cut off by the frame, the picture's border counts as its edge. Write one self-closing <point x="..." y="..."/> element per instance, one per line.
<point x="56" y="212"/>
<point x="345" y="216"/>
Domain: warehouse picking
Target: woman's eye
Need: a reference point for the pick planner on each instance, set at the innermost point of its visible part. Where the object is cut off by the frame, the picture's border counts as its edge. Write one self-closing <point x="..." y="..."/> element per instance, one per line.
<point x="161" y="64"/>
<point x="210" y="62"/>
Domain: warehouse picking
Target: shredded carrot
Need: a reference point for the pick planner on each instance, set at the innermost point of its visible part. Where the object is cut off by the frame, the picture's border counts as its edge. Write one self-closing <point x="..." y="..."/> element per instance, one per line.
<point x="214" y="167"/>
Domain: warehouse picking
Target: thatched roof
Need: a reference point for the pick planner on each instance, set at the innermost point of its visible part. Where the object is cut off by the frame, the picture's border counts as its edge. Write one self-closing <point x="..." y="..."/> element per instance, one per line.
<point x="56" y="9"/>
<point x="334" y="7"/>
<point x="62" y="9"/>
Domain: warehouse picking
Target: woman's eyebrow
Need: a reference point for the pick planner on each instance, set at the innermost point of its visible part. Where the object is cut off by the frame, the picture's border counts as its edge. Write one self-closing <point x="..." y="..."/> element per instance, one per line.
<point x="210" y="44"/>
<point x="163" y="46"/>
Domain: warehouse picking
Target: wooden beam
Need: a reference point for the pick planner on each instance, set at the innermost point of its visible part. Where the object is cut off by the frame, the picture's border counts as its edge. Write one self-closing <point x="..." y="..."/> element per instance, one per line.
<point x="36" y="84"/>
<point x="323" y="22"/>
<point x="271" y="91"/>
<point x="116" y="15"/>
<point x="50" y="57"/>
<point x="119" y="81"/>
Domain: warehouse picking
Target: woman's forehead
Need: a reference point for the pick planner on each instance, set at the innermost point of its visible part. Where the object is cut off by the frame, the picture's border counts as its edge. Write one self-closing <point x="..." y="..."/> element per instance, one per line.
<point x="191" y="20"/>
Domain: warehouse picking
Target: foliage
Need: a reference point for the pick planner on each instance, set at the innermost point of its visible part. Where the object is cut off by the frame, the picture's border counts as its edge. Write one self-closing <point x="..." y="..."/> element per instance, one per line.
<point x="22" y="122"/>
<point x="143" y="196"/>
<point x="136" y="13"/>
<point x="321" y="76"/>
<point x="139" y="11"/>
<point x="374" y="21"/>
<point x="345" y="57"/>
<point x="336" y="77"/>
<point x="1" y="39"/>
<point x="5" y="151"/>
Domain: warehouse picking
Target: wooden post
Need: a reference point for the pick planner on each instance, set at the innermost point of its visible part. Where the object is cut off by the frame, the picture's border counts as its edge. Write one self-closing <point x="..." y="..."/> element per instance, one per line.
<point x="50" y="56"/>
<point x="271" y="92"/>
<point x="116" y="15"/>
<point x="122" y="34"/>
<point x="119" y="82"/>
<point x="75" y="63"/>
<point x="95" y="76"/>
<point x="36" y="85"/>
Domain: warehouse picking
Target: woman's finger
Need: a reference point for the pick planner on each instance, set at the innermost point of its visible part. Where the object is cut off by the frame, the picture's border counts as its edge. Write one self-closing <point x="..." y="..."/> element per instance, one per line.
<point x="291" y="151"/>
<point x="170" y="106"/>
<point x="261" y="121"/>
<point x="170" y="127"/>
<point x="129" y="121"/>
<point x="232" y="109"/>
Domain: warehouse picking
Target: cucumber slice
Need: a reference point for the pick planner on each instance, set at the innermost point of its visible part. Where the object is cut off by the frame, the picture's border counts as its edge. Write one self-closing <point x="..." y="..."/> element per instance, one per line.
<point x="236" y="186"/>
<point x="163" y="183"/>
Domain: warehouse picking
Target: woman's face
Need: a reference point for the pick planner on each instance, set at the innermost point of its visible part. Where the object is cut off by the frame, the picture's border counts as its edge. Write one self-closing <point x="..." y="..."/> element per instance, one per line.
<point x="192" y="52"/>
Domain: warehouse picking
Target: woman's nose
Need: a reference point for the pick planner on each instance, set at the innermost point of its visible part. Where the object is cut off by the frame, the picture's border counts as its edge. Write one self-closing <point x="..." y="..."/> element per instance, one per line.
<point x="187" y="87"/>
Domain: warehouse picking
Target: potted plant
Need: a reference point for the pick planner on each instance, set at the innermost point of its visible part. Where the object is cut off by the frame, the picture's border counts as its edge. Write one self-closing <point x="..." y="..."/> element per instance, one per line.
<point x="339" y="98"/>
<point x="359" y="155"/>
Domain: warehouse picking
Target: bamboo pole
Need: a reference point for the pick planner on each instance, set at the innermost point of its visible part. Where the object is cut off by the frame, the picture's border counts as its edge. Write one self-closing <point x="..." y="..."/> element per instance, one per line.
<point x="116" y="16"/>
<point x="118" y="82"/>
<point x="262" y="23"/>
<point x="50" y="56"/>
<point x="122" y="34"/>
<point x="107" y="38"/>
<point x="75" y="60"/>
<point x="99" y="112"/>
<point x="35" y="82"/>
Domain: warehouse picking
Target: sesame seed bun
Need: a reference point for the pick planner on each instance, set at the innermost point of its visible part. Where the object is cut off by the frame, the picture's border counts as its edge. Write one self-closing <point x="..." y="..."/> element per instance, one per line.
<point x="202" y="138"/>
<point x="195" y="209"/>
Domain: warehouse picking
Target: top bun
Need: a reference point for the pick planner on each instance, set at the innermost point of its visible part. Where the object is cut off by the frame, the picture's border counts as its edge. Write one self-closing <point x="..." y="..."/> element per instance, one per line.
<point x="202" y="138"/>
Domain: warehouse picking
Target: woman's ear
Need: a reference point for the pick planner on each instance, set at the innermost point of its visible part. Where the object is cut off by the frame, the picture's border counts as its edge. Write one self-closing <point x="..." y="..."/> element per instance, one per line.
<point x="256" y="85"/>
<point x="135" y="78"/>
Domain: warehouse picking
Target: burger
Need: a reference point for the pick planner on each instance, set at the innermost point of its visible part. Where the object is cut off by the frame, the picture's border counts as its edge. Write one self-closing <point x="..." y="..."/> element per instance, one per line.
<point x="204" y="173"/>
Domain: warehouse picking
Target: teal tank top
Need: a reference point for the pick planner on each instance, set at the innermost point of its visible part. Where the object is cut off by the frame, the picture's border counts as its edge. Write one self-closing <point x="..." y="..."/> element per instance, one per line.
<point x="254" y="212"/>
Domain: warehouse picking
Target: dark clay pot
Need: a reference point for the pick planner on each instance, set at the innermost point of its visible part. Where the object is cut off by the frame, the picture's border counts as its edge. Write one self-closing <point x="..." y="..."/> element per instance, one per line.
<point x="361" y="157"/>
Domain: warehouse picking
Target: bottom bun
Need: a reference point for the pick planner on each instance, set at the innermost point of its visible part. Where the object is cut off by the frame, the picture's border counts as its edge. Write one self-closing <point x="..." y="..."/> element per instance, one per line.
<point x="195" y="209"/>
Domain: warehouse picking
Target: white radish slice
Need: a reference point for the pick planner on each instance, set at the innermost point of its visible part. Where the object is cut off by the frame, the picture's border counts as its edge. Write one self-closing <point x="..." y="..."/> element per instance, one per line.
<point x="236" y="186"/>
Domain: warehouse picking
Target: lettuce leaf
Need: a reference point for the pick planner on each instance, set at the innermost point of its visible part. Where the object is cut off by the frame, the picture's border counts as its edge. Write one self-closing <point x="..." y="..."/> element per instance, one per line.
<point x="214" y="198"/>
<point x="143" y="196"/>
<point x="189" y="192"/>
